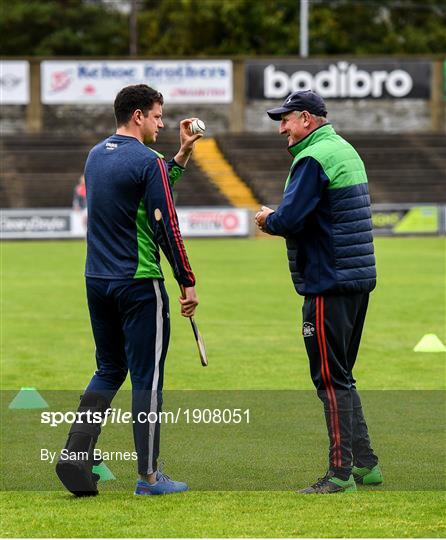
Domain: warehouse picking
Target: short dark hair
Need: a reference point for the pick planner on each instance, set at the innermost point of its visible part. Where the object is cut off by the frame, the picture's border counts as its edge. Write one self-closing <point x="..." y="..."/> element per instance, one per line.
<point x="131" y="98"/>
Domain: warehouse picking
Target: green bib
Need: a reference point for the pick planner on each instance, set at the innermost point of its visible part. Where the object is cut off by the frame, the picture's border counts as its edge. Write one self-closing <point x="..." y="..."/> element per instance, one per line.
<point x="339" y="160"/>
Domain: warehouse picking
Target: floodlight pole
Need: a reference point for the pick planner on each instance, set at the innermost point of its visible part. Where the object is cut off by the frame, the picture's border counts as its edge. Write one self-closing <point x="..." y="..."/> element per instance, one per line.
<point x="133" y="29"/>
<point x="303" y="28"/>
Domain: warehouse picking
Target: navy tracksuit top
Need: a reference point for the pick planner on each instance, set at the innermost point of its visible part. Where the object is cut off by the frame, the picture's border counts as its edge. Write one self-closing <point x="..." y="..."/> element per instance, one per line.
<point x="126" y="181"/>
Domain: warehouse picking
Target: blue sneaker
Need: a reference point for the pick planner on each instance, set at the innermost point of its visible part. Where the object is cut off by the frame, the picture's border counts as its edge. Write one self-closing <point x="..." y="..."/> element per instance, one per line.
<point x="163" y="486"/>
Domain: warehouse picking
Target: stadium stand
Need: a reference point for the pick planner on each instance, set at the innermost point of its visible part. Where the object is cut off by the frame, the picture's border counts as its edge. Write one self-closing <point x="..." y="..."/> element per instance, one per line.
<point x="208" y="156"/>
<point x="41" y="171"/>
<point x="401" y="168"/>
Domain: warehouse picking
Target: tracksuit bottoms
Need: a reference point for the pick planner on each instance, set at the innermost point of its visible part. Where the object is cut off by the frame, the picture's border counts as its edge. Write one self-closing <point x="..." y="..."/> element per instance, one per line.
<point x="131" y="329"/>
<point x="332" y="328"/>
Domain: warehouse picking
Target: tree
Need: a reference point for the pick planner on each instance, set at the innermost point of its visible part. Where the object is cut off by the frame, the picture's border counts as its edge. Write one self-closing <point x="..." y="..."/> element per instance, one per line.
<point x="61" y="27"/>
<point x="223" y="27"/>
<point x="377" y="27"/>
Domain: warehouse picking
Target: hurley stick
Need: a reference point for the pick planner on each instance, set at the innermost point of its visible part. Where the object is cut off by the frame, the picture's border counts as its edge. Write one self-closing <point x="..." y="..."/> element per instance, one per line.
<point x="170" y="257"/>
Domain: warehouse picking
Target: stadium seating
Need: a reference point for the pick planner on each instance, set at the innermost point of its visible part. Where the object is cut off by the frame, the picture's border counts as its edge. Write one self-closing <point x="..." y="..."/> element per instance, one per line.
<point x="40" y="171"/>
<point x="401" y="168"/>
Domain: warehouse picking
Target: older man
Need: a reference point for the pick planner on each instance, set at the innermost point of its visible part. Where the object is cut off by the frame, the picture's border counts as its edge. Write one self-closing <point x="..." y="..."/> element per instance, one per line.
<point x="325" y="217"/>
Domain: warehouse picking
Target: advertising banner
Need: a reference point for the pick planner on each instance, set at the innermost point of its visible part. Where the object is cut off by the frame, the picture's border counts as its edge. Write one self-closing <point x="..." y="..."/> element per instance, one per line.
<point x="14" y="82"/>
<point x="356" y="79"/>
<point x="67" y="223"/>
<point x="401" y="219"/>
<point x="35" y="223"/>
<point x="388" y="219"/>
<point x="180" y="81"/>
<point x="215" y="221"/>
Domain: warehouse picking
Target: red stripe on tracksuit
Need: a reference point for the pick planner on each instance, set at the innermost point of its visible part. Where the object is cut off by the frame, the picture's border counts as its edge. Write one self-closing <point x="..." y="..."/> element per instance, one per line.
<point x="174" y="222"/>
<point x="326" y="377"/>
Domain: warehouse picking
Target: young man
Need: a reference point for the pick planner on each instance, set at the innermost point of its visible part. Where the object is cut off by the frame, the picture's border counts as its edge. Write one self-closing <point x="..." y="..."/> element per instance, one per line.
<point x="129" y="308"/>
<point x="325" y="217"/>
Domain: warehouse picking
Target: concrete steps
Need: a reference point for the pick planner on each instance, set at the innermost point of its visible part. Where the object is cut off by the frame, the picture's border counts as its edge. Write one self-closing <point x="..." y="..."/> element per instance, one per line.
<point x="401" y="168"/>
<point x="42" y="171"/>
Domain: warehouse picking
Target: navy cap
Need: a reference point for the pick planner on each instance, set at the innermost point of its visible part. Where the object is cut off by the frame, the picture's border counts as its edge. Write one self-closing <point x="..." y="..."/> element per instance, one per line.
<point x="303" y="100"/>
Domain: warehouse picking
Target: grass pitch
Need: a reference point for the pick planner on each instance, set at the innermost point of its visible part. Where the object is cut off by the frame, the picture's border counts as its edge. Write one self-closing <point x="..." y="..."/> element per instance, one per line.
<point x="250" y="318"/>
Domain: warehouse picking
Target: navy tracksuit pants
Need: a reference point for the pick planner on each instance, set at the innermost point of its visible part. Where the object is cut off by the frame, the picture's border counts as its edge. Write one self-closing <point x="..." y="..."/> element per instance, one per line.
<point x="332" y="329"/>
<point x="131" y="329"/>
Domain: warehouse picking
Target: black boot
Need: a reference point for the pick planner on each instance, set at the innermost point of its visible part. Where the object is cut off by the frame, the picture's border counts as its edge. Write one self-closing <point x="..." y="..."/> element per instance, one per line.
<point x="76" y="461"/>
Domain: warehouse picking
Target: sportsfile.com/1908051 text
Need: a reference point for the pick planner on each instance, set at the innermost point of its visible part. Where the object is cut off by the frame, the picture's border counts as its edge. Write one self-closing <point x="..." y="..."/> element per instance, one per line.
<point x="178" y="416"/>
